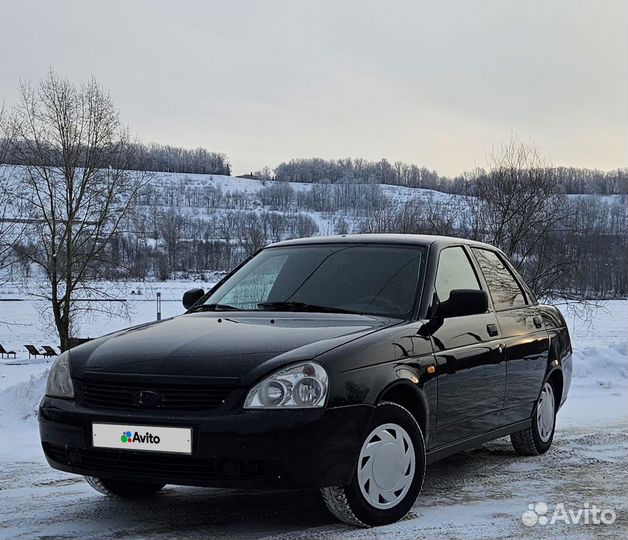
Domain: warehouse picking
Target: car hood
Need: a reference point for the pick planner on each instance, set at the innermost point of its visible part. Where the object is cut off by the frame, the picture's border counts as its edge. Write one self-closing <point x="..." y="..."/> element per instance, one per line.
<point x="231" y="345"/>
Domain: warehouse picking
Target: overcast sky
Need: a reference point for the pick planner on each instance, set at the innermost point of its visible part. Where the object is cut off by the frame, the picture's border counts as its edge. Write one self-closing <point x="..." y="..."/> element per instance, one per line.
<point x="426" y="82"/>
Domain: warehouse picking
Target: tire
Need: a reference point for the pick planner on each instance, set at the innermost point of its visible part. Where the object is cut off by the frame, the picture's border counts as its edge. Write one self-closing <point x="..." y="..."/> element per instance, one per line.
<point x="393" y="454"/>
<point x="538" y="438"/>
<point x="121" y="488"/>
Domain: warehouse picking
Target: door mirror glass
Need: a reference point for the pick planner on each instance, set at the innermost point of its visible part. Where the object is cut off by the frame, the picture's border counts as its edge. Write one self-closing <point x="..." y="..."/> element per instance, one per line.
<point x="463" y="302"/>
<point x="191" y="296"/>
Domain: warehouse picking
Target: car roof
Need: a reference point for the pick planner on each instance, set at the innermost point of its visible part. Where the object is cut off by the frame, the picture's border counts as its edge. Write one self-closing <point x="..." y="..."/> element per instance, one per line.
<point x="407" y="239"/>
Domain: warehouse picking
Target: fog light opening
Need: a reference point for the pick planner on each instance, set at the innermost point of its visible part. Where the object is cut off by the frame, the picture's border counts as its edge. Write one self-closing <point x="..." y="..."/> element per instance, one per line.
<point x="228" y="468"/>
<point x="73" y="455"/>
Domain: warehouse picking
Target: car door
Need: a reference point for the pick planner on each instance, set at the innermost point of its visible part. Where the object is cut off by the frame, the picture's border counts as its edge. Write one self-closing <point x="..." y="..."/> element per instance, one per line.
<point x="523" y="334"/>
<point x="470" y="367"/>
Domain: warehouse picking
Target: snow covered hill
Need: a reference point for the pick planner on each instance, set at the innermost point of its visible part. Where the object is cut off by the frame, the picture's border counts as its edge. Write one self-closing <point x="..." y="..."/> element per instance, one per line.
<point x="204" y="196"/>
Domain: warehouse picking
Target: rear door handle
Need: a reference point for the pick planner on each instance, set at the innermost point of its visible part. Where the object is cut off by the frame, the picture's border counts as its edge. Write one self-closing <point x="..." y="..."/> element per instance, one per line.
<point x="492" y="330"/>
<point x="538" y="322"/>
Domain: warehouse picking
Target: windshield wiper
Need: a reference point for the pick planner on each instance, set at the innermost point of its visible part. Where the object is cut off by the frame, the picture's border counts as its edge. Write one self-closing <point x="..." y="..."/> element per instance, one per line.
<point x="215" y="307"/>
<point x="301" y="306"/>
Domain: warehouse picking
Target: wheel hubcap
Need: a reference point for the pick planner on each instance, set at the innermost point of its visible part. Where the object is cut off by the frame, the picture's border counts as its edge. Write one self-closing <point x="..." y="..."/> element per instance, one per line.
<point x="545" y="412"/>
<point x="386" y="466"/>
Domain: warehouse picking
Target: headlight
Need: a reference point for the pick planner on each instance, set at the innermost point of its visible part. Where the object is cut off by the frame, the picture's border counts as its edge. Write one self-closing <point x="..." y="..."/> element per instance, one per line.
<point x="59" y="380"/>
<point x="297" y="387"/>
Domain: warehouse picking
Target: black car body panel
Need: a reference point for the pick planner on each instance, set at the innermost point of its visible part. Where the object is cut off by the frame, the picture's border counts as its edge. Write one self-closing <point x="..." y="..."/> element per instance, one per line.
<point x="202" y="344"/>
<point x="465" y="379"/>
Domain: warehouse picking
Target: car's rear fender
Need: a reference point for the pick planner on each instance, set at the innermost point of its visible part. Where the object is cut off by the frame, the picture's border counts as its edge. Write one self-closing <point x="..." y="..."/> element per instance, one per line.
<point x="559" y="359"/>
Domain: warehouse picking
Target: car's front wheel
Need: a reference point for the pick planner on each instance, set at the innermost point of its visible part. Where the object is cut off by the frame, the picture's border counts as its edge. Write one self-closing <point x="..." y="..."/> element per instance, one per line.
<point x="122" y="488"/>
<point x="389" y="474"/>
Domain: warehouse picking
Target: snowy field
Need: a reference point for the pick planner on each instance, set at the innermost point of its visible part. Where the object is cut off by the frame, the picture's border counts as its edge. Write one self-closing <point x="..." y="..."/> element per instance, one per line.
<point x="476" y="494"/>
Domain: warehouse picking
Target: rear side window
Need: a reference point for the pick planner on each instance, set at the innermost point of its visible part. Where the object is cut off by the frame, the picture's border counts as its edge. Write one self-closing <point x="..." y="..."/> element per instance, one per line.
<point x="454" y="272"/>
<point x="504" y="288"/>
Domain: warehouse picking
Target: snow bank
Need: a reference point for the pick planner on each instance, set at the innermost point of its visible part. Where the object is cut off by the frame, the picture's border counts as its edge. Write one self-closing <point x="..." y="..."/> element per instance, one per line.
<point x="604" y="364"/>
<point x="19" y="402"/>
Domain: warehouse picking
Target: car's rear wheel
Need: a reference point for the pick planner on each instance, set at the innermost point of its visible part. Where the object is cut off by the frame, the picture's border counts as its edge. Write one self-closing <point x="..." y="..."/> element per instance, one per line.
<point x="389" y="472"/>
<point x="538" y="438"/>
<point x="122" y="488"/>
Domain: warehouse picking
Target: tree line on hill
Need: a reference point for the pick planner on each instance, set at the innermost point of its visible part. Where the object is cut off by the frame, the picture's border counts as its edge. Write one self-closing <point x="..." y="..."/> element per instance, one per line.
<point x="138" y="156"/>
<point x="569" y="180"/>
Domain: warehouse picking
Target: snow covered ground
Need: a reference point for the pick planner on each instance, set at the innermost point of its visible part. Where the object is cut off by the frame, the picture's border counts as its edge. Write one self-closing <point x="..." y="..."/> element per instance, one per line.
<point x="476" y="494"/>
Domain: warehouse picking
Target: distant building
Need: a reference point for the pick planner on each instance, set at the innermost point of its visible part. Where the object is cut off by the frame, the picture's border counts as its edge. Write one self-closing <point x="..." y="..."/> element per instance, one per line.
<point x="249" y="176"/>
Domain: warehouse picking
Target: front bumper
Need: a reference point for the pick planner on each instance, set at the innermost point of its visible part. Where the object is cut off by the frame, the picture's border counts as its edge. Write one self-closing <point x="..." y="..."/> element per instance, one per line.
<point x="254" y="449"/>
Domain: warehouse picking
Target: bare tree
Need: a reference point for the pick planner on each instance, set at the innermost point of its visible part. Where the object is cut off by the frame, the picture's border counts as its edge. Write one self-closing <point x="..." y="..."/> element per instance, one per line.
<point x="252" y="233"/>
<point x="77" y="191"/>
<point x="11" y="221"/>
<point x="518" y="207"/>
<point x="170" y="226"/>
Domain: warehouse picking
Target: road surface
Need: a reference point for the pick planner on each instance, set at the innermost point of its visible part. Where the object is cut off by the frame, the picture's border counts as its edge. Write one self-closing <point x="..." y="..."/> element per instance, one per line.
<point x="476" y="494"/>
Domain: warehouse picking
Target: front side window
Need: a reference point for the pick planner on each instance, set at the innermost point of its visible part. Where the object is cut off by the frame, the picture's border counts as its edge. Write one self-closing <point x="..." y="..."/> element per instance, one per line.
<point x="356" y="278"/>
<point x="504" y="288"/>
<point x="454" y="272"/>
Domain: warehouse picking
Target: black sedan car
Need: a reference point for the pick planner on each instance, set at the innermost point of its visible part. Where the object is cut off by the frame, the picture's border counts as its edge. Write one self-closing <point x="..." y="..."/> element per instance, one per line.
<point x="344" y="363"/>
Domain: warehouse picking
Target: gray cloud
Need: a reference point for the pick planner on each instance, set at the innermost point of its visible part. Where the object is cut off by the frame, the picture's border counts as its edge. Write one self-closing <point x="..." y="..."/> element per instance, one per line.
<point x="434" y="83"/>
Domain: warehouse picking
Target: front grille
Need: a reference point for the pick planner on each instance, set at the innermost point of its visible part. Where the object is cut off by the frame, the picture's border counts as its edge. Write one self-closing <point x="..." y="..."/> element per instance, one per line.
<point x="125" y="395"/>
<point x="168" y="467"/>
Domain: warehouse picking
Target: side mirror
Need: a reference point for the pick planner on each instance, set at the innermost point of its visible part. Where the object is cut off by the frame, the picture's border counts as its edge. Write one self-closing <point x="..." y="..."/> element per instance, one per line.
<point x="463" y="302"/>
<point x="191" y="296"/>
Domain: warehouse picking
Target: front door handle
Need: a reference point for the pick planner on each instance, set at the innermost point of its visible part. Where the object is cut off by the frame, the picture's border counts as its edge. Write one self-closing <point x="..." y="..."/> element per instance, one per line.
<point x="492" y="330"/>
<point x="537" y="322"/>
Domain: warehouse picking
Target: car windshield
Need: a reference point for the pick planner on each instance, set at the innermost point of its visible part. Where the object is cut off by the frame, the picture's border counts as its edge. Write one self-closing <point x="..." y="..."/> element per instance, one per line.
<point x="377" y="280"/>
